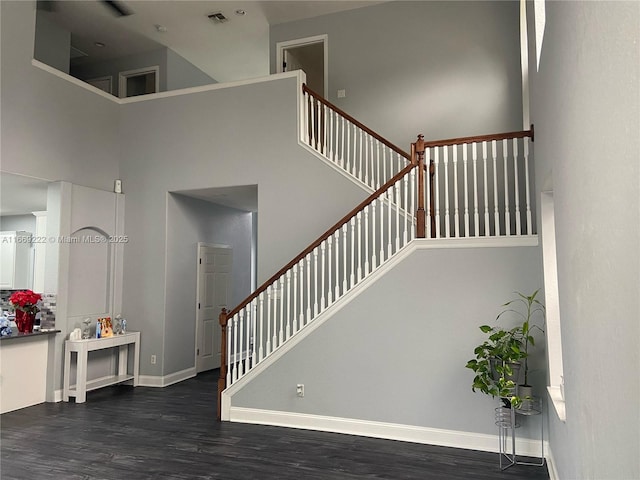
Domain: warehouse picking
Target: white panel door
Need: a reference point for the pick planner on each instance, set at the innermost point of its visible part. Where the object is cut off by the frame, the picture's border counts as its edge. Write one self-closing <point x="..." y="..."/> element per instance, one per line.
<point x="214" y="294"/>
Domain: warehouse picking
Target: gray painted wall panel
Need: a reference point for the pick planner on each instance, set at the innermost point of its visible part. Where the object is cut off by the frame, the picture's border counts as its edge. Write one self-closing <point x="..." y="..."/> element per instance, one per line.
<point x="177" y="143"/>
<point x="444" y="69"/>
<point x="52" y="43"/>
<point x="397" y="353"/>
<point x="182" y="74"/>
<point x="586" y="107"/>
<point x="50" y="128"/>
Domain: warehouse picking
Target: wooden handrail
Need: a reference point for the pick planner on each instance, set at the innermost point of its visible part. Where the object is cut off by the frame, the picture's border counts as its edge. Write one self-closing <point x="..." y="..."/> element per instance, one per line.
<point x="481" y="138"/>
<point x="322" y="238"/>
<point x="356" y="122"/>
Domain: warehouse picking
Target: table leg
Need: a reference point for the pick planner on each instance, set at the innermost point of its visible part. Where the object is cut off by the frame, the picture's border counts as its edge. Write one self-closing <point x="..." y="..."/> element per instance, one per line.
<point x="67" y="373"/>
<point x="81" y="376"/>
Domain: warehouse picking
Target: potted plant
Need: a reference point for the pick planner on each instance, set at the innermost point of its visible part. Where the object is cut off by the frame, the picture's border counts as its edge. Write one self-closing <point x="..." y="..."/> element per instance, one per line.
<point x="25" y="305"/>
<point x="533" y="311"/>
<point x="500" y="358"/>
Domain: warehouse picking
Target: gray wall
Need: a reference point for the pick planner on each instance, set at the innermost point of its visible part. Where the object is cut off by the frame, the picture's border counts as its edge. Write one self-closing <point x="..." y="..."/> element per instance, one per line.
<point x="50" y="128"/>
<point x="52" y="43"/>
<point x="113" y="68"/>
<point x="25" y="223"/>
<point x="190" y="221"/>
<point x="585" y="105"/>
<point x="421" y="321"/>
<point x="182" y="74"/>
<point x="245" y="135"/>
<point x="444" y="69"/>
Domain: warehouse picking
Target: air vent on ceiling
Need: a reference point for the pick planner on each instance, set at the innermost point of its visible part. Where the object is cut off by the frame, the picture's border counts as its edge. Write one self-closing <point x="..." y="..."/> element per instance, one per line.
<point x="218" y="18"/>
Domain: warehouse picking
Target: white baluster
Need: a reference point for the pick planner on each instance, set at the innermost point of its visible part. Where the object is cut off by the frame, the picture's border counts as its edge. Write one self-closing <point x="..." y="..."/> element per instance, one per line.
<point x="302" y="309"/>
<point x="352" y="276"/>
<point x="447" y="226"/>
<point x="384" y="165"/>
<point x="230" y="367"/>
<point x="359" y="221"/>
<point x="344" y="257"/>
<point x="507" y="216"/>
<point x="436" y="189"/>
<point x="516" y="190"/>
<point x="337" y="294"/>
<point x="261" y="348"/>
<point x="308" y="317"/>
<point x="313" y="133"/>
<point x="270" y="345"/>
<point x="254" y="319"/>
<point x="389" y="217"/>
<point x="412" y="182"/>
<point x="240" y="368"/>
<point x="397" y="202"/>
<point x="365" y="155"/>
<point x="526" y="183"/>
<point x="324" y="129"/>
<point x="329" y="270"/>
<point x="496" y="210"/>
<point x="476" y="213"/>
<point x="405" y="235"/>
<point x="304" y="124"/>
<point x="381" y="210"/>
<point x="280" y="290"/>
<point x="467" y="233"/>
<point x="349" y="157"/>
<point x="360" y="157"/>
<point x="288" y="309"/>
<point x="294" y="315"/>
<point x="315" y="282"/>
<point x="374" y="234"/>
<point x="427" y="191"/>
<point x="323" y="248"/>
<point x="366" y="240"/>
<point x="456" y="214"/>
<point x="331" y="134"/>
<point x="487" y="226"/>
<point x="378" y="165"/>
<point x="342" y="164"/>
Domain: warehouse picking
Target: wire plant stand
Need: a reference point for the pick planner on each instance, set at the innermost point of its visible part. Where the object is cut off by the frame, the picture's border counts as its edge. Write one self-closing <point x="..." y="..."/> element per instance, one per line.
<point x="506" y="419"/>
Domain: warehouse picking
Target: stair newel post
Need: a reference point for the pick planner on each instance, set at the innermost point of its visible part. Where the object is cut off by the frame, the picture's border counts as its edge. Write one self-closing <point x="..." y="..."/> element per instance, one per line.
<point x="417" y="156"/>
<point x="222" y="379"/>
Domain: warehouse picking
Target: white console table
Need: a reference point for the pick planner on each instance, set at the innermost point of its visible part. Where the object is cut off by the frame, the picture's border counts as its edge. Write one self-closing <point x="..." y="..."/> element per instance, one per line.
<point x="83" y="347"/>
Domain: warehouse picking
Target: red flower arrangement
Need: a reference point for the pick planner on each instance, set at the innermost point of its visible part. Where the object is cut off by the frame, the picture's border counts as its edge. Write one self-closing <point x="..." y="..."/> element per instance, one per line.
<point x="25" y="301"/>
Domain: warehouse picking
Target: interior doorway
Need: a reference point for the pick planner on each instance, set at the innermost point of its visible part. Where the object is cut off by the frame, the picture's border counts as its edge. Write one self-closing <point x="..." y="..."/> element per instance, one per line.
<point x="308" y="54"/>
<point x="213" y="294"/>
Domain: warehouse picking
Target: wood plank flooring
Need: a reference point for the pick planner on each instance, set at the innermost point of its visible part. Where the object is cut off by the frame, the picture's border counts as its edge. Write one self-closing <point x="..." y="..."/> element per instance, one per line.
<point x="171" y="433"/>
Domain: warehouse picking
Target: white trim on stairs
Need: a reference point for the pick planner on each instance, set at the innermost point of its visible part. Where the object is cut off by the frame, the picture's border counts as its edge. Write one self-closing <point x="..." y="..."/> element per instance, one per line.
<point x="388" y="431"/>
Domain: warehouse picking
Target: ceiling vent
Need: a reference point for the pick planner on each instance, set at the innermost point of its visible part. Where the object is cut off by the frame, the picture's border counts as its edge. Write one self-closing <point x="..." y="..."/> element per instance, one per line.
<point x="218" y="18"/>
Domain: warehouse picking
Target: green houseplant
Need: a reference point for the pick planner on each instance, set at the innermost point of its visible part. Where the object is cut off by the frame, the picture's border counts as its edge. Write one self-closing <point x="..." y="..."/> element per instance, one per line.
<point x="500" y="358"/>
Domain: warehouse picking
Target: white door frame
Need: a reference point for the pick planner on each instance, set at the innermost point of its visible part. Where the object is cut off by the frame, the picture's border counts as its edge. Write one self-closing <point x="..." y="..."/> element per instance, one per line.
<point x="122" y="78"/>
<point x="197" y="332"/>
<point x="301" y="42"/>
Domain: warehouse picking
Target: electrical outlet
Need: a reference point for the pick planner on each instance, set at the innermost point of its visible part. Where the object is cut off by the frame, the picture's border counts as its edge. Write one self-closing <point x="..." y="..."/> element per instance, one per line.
<point x="300" y="390"/>
<point x="342" y="93"/>
<point x="153" y="359"/>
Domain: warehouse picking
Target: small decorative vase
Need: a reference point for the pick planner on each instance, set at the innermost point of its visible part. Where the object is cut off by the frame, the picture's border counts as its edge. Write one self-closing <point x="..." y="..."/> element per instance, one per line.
<point x="24" y="321"/>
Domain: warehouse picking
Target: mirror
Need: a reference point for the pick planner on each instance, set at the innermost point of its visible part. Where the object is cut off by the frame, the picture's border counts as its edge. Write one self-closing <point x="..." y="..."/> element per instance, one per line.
<point x="23" y="206"/>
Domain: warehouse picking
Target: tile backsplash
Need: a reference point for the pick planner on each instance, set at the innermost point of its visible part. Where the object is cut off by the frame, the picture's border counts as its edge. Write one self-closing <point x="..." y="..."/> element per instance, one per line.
<point x="47" y="310"/>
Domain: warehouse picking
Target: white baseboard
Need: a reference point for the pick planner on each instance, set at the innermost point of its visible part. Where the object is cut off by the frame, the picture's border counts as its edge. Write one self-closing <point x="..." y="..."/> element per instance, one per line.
<point x="166" y="380"/>
<point x="551" y="464"/>
<point x="388" y="431"/>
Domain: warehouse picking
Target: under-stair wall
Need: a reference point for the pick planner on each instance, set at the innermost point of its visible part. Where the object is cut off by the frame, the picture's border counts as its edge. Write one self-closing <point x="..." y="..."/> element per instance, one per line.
<point x="390" y="362"/>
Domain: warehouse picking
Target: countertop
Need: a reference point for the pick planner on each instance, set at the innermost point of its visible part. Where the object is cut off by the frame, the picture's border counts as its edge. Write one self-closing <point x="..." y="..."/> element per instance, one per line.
<point x="39" y="333"/>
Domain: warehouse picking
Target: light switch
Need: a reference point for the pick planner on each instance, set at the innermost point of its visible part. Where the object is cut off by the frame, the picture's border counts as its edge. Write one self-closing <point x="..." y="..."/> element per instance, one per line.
<point x="342" y="93"/>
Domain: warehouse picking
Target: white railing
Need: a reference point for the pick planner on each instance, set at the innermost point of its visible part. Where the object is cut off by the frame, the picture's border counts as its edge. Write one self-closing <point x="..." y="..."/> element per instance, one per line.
<point x="322" y="274"/>
<point x="479" y="188"/>
<point x="348" y="144"/>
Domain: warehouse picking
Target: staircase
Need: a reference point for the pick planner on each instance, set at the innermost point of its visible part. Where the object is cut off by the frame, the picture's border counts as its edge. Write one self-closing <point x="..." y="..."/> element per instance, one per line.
<point x="472" y="187"/>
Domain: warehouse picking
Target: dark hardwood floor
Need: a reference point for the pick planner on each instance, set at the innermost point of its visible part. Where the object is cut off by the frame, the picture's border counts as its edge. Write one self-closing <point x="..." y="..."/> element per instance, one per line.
<point x="171" y="433"/>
